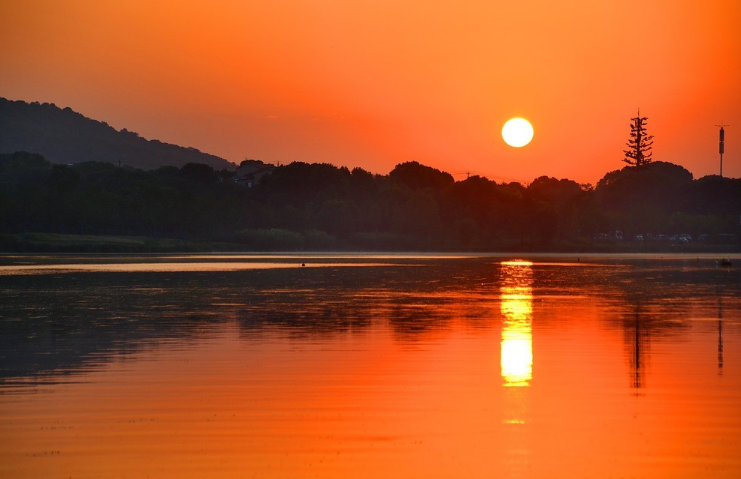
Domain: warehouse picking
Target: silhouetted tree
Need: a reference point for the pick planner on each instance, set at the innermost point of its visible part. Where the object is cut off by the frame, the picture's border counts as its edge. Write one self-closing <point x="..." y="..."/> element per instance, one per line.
<point x="551" y="190"/>
<point x="417" y="176"/>
<point x="643" y="199"/>
<point x="639" y="146"/>
<point x="200" y="172"/>
<point x="553" y="203"/>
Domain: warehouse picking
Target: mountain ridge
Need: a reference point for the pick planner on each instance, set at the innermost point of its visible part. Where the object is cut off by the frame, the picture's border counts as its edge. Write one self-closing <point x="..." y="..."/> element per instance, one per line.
<point x="65" y="136"/>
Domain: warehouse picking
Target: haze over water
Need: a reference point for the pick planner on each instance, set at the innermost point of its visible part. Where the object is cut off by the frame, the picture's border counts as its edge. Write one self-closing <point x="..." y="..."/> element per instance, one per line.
<point x="389" y="366"/>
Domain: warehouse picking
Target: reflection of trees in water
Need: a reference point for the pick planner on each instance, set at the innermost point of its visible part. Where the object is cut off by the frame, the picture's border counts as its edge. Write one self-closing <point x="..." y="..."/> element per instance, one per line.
<point x="720" y="335"/>
<point x="411" y="300"/>
<point x="302" y="314"/>
<point x="60" y="324"/>
<point x="637" y="343"/>
<point x="327" y="313"/>
<point x="643" y="319"/>
<point x="53" y="325"/>
<point x="420" y="316"/>
<point x="720" y="346"/>
<point x="655" y="300"/>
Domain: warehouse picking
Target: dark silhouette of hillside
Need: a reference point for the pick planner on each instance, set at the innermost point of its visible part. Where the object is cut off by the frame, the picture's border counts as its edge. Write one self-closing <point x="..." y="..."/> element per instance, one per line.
<point x="67" y="137"/>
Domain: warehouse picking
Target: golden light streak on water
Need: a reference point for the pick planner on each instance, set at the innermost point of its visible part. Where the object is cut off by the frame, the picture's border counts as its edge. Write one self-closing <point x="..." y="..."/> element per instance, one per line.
<point x="517" y="312"/>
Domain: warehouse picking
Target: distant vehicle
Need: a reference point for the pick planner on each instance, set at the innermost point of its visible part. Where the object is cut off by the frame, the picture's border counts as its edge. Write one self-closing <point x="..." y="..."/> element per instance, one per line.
<point x="685" y="238"/>
<point x="611" y="236"/>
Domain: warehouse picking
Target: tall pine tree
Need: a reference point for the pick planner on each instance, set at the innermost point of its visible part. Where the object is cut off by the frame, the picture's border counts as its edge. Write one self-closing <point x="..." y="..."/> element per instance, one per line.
<point x="639" y="146"/>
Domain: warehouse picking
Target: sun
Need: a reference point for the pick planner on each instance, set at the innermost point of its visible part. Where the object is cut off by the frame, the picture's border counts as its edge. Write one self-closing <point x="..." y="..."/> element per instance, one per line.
<point x="517" y="132"/>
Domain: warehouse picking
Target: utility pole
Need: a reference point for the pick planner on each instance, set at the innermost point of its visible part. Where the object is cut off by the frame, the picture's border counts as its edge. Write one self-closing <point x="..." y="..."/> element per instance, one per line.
<point x="722" y="146"/>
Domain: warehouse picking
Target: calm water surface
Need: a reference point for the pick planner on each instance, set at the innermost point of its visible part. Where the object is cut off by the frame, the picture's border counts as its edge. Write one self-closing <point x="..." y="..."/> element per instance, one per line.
<point x="369" y="366"/>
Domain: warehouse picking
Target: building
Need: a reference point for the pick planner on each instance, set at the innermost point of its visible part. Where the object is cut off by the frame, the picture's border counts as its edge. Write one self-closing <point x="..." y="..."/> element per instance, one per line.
<point x="249" y="172"/>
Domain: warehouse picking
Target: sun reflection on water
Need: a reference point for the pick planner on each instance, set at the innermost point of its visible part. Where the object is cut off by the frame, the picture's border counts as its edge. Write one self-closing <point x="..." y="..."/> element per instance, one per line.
<point x="517" y="312"/>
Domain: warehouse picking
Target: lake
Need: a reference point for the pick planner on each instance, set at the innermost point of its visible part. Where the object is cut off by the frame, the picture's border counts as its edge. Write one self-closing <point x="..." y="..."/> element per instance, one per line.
<point x="370" y="366"/>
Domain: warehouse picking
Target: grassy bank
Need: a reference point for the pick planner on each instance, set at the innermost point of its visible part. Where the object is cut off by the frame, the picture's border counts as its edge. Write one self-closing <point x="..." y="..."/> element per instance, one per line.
<point x="50" y="242"/>
<point x="67" y="243"/>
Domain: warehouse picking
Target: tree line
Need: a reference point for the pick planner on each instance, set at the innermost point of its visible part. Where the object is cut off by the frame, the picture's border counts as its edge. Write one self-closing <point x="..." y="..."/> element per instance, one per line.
<point x="302" y="206"/>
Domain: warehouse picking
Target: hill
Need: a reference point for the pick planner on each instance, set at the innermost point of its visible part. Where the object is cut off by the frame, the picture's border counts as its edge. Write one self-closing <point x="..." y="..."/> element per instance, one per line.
<point x="67" y="137"/>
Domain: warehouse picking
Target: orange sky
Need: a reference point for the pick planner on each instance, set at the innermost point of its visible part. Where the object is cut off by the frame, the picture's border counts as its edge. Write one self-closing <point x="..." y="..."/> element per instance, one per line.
<point x="375" y="83"/>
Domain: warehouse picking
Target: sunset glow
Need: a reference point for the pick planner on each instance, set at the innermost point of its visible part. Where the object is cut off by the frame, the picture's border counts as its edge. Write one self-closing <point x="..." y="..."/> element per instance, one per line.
<point x="517" y="132"/>
<point x="374" y="84"/>
<point x="517" y="315"/>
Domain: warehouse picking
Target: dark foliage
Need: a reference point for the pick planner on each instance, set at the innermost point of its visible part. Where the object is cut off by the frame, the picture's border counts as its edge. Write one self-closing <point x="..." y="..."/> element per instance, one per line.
<point x="640" y="143"/>
<point x="416" y="176"/>
<point x="304" y="206"/>
<point x="199" y="172"/>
